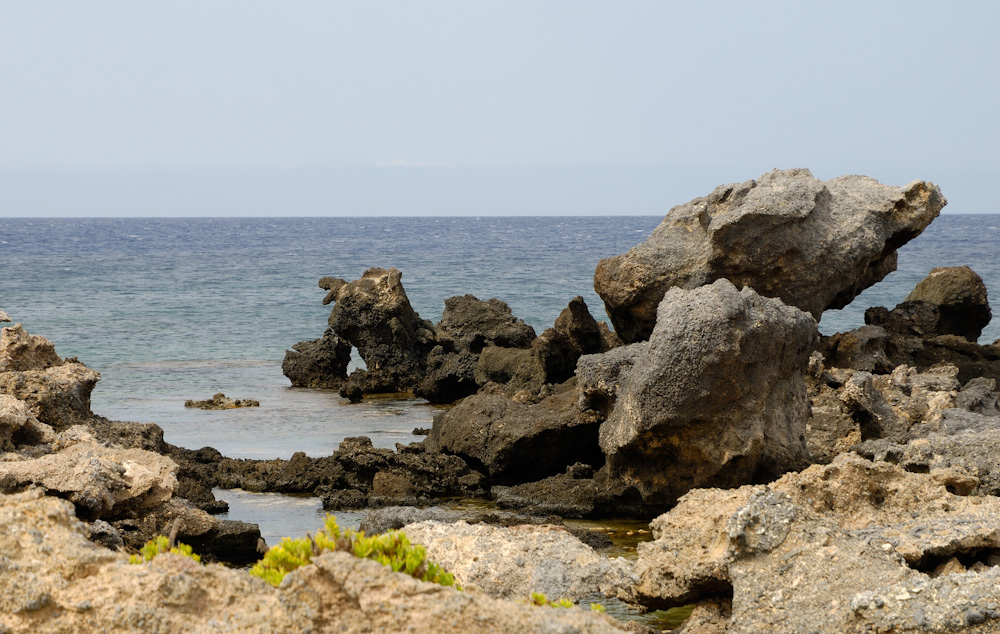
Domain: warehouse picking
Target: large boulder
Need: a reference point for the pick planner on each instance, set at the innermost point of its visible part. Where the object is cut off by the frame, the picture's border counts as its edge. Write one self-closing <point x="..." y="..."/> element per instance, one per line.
<point x="518" y="442"/>
<point x="960" y="297"/>
<point x="374" y="315"/>
<point x="320" y="363"/>
<point x="813" y="244"/>
<point x="716" y="398"/>
<point x="854" y="546"/>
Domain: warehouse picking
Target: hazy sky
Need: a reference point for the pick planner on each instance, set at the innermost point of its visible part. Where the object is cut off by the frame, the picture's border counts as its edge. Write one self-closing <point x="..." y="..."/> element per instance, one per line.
<point x="474" y="107"/>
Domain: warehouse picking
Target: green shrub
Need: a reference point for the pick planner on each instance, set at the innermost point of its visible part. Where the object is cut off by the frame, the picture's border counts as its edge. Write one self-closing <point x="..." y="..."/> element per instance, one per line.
<point x="391" y="549"/>
<point x="159" y="545"/>
<point x="539" y="599"/>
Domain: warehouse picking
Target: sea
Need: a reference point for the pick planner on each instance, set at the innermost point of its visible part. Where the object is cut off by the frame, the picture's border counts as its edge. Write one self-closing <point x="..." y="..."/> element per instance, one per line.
<point x="170" y="309"/>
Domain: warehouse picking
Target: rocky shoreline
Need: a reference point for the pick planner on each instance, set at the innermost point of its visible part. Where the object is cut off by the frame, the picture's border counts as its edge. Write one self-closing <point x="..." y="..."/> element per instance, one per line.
<point x="793" y="482"/>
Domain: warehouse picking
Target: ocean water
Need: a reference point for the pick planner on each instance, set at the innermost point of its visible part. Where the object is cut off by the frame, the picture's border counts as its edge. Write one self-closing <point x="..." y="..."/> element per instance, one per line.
<point x="174" y="309"/>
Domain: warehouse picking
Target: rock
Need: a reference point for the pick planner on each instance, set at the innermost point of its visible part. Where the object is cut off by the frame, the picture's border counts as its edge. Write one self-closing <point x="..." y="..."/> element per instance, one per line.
<point x="834" y="548"/>
<point x="470" y="325"/>
<point x="374" y="315"/>
<point x="450" y="376"/>
<point x="716" y="398"/>
<point x="20" y="351"/>
<point x="57" y="581"/>
<point x="511" y="563"/>
<point x="599" y="375"/>
<point x="584" y="332"/>
<point x="106" y="535"/>
<point x="960" y="297"/>
<point x="102" y="482"/>
<point x="813" y="244"/>
<point x="357" y="475"/>
<point x="58" y="396"/>
<point x="388" y="518"/>
<point x="221" y="401"/>
<point x="320" y="363"/>
<point x="848" y="406"/>
<point x="514" y="368"/>
<point x="863" y="349"/>
<point x="19" y="426"/>
<point x="562" y="495"/>
<point x="517" y="442"/>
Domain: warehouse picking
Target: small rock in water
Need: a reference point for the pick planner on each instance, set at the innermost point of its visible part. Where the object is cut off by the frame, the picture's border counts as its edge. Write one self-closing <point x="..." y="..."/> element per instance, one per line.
<point x="221" y="401"/>
<point x="421" y="431"/>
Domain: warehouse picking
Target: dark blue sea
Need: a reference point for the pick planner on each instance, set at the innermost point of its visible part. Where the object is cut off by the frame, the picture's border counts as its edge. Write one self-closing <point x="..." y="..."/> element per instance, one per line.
<point x="173" y="309"/>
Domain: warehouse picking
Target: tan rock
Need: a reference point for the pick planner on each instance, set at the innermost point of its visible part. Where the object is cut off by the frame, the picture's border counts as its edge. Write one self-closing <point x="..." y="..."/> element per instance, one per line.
<point x="20" y="351"/>
<point x="512" y="562"/>
<point x="55" y="581"/>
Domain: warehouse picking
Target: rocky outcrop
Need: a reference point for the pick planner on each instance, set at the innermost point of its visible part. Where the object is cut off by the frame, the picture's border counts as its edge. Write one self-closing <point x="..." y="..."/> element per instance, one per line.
<point x="470" y="324"/>
<point x="120" y="472"/>
<point x="514" y="441"/>
<point x="56" y="580"/>
<point x="221" y="401"/>
<point x="813" y="244"/>
<point x="853" y="546"/>
<point x="938" y="323"/>
<point x="512" y="562"/>
<point x="716" y="398"/>
<point x="101" y="482"/>
<point x="320" y="363"/>
<point x="358" y="475"/>
<point x="373" y="314"/>
<point x="960" y="297"/>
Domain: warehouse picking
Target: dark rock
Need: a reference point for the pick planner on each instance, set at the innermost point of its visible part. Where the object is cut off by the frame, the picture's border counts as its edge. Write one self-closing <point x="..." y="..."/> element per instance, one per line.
<point x="717" y="397"/>
<point x="374" y="315"/>
<point x="813" y="244"/>
<point x="960" y="297"/>
<point x="320" y="363"/>
<point x="518" y="442"/>
<point x="221" y="401"/>
<point x="390" y="518"/>
<point x="106" y="535"/>
<point x="859" y="349"/>
<point x="300" y="474"/>
<point x="471" y="324"/>
<point x="450" y="376"/>
<point x="514" y="368"/>
<point x="342" y="499"/>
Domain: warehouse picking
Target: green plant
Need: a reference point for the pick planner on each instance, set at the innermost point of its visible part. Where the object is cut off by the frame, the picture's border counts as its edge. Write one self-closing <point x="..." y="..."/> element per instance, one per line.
<point x="539" y="599"/>
<point x="159" y="545"/>
<point x="391" y="549"/>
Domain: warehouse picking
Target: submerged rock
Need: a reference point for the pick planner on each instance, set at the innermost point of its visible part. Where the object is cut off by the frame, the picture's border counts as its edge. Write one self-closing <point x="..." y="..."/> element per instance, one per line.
<point x="813" y="244"/>
<point x="221" y="401"/>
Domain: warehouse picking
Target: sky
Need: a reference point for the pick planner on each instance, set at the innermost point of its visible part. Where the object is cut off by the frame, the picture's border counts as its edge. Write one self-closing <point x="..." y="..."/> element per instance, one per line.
<point x="305" y="108"/>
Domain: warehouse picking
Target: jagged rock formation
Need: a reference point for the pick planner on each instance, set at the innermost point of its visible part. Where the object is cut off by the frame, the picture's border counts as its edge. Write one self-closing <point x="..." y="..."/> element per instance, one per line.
<point x="853" y="546"/>
<point x="55" y="580"/>
<point x="813" y="244"/>
<point x="716" y="398"/>
<point x="357" y="475"/>
<point x="921" y="332"/>
<point x="120" y="473"/>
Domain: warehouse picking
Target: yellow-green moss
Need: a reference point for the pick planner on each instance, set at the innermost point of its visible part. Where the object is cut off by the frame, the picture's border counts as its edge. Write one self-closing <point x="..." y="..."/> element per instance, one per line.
<point x="391" y="549"/>
<point x="159" y="545"/>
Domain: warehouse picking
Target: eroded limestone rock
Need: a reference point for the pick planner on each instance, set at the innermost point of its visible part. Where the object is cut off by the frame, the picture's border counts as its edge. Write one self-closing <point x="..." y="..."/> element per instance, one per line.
<point x="813" y="244"/>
